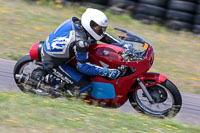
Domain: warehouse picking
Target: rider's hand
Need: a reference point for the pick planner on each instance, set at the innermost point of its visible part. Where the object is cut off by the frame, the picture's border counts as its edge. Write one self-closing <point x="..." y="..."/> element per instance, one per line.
<point x="111" y="73"/>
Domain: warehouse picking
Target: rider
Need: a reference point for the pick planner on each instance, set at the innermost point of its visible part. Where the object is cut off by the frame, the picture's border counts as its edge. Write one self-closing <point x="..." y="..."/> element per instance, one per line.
<point x="71" y="39"/>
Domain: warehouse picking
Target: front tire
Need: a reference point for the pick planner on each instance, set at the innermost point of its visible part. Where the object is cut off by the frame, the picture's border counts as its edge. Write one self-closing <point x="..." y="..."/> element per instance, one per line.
<point x="161" y="93"/>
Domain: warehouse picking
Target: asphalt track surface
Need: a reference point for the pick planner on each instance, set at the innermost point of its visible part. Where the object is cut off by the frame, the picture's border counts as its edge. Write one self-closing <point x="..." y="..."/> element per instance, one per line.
<point x="189" y="114"/>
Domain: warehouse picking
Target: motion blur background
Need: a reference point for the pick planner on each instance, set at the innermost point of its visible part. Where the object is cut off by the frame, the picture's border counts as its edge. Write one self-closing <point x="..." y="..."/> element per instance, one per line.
<point x="25" y="22"/>
<point x="171" y="26"/>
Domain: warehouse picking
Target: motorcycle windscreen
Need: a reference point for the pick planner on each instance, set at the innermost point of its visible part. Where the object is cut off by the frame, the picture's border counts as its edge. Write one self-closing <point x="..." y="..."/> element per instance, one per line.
<point x="103" y="90"/>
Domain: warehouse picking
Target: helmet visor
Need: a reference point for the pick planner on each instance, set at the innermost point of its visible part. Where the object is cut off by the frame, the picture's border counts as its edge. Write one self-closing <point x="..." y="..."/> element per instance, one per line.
<point x="97" y="28"/>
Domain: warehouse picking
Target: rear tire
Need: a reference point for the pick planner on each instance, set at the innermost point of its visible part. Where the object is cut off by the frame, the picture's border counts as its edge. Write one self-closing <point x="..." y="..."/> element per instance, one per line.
<point x="21" y="62"/>
<point x="21" y="68"/>
<point x="171" y="112"/>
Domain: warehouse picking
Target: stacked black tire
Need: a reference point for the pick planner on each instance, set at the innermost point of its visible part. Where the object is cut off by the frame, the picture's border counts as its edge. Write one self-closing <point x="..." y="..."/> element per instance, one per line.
<point x="196" y="26"/>
<point x="122" y="6"/>
<point x="180" y="14"/>
<point x="150" y="10"/>
<point x="100" y="2"/>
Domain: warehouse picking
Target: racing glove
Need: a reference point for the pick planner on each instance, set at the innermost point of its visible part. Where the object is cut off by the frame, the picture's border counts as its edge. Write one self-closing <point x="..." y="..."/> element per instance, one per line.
<point x="110" y="73"/>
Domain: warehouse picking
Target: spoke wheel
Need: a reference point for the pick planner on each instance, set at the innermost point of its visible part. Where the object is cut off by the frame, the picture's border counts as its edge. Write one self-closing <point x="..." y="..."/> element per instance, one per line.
<point x="166" y="96"/>
<point x="26" y="66"/>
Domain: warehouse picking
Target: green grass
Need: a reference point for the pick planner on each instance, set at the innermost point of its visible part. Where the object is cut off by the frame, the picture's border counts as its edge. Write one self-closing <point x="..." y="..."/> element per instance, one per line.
<point x="176" y="54"/>
<point x="29" y="113"/>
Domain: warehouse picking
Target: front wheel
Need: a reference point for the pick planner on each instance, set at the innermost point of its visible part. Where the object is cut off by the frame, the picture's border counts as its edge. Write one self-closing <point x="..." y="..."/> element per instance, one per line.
<point x="167" y="99"/>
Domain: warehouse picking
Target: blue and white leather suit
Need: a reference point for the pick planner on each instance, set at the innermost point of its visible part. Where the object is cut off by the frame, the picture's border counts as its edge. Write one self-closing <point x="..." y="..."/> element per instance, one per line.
<point x="70" y="41"/>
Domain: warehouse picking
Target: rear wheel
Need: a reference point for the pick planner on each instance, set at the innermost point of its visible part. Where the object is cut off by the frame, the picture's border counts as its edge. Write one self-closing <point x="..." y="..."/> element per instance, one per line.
<point x="167" y="99"/>
<point x="31" y="70"/>
<point x="20" y="68"/>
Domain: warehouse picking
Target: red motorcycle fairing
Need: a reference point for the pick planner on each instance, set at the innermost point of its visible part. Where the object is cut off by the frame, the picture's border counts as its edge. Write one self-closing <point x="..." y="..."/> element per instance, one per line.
<point x="121" y="86"/>
<point x="108" y="56"/>
<point x="157" y="78"/>
<point x="35" y="51"/>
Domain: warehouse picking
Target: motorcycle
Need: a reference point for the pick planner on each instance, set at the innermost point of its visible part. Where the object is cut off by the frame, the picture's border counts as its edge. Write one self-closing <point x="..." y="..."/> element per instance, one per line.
<point x="149" y="93"/>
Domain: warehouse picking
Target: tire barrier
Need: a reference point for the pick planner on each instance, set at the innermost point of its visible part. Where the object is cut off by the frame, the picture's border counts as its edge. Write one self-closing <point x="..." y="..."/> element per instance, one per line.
<point x="147" y="19"/>
<point x="175" y="14"/>
<point x="117" y="10"/>
<point x="184" y="6"/>
<point x="179" y="25"/>
<point x="101" y="2"/>
<point x="196" y="27"/>
<point x="150" y="10"/>
<point x="121" y="5"/>
<point x="198" y="9"/>
<point x="180" y="14"/>
<point x="159" y="3"/>
<point x="197" y="19"/>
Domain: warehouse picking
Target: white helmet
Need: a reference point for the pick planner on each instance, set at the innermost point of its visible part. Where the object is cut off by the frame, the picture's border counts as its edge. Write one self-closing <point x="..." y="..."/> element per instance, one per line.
<point x="95" y="22"/>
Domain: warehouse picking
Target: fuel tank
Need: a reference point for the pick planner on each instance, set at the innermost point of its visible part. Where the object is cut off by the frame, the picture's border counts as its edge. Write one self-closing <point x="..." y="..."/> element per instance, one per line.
<point x="104" y="55"/>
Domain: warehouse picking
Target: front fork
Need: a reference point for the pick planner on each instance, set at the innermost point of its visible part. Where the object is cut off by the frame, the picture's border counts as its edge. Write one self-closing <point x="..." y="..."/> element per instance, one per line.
<point x="146" y="92"/>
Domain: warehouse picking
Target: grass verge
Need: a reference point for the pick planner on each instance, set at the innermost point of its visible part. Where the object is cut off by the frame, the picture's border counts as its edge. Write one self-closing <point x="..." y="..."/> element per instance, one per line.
<point x="33" y="114"/>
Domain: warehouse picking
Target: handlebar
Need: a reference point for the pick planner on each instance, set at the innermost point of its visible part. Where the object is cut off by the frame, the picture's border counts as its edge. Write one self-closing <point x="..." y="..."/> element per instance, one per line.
<point x="130" y="53"/>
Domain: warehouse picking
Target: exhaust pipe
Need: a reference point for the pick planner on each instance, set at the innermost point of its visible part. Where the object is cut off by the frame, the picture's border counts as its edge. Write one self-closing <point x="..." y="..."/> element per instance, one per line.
<point x="23" y="78"/>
